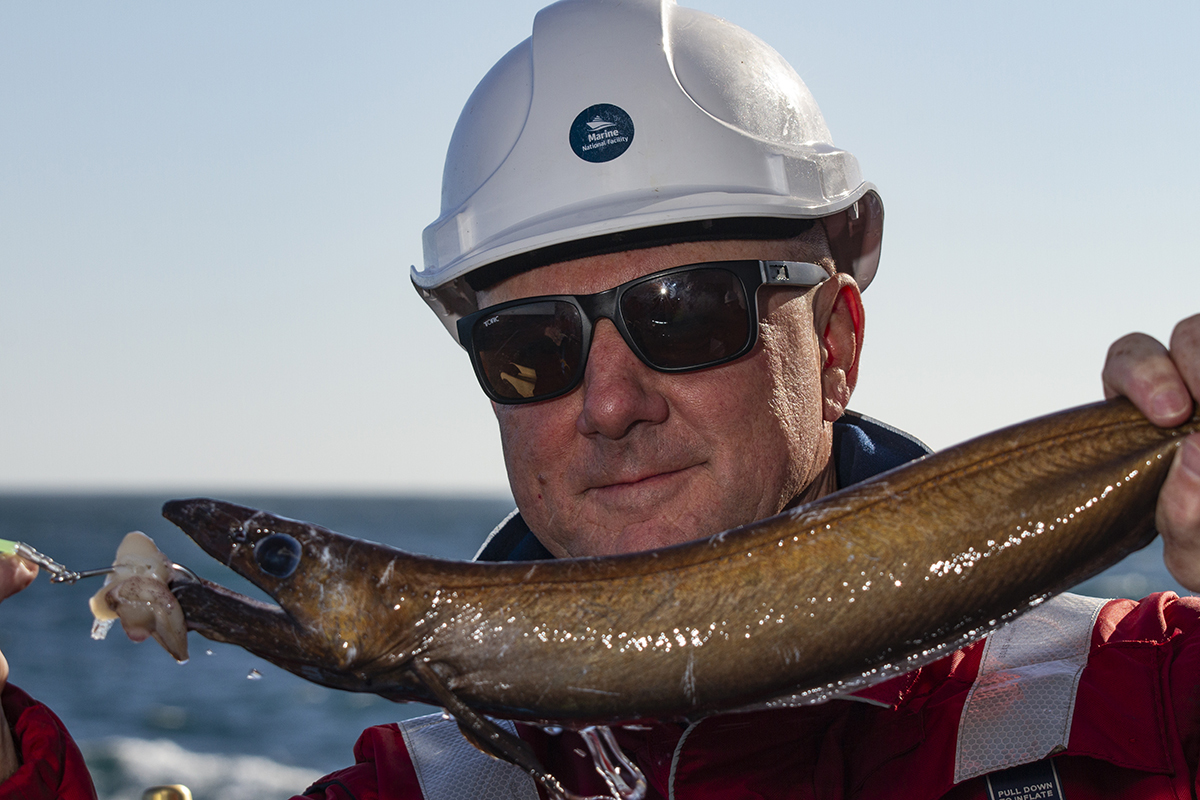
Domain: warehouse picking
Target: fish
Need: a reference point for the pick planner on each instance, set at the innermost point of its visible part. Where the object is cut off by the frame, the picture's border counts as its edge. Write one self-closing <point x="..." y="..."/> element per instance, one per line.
<point x="862" y="584"/>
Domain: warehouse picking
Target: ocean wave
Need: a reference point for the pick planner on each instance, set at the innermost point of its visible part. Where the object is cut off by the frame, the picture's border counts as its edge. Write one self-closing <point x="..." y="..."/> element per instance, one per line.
<point x="123" y="768"/>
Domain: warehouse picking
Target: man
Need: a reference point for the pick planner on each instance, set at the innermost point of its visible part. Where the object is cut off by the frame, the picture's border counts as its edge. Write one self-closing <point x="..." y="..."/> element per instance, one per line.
<point x="612" y="167"/>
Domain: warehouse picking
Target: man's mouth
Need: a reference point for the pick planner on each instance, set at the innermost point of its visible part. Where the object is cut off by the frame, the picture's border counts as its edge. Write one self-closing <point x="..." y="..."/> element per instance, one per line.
<point x="647" y="479"/>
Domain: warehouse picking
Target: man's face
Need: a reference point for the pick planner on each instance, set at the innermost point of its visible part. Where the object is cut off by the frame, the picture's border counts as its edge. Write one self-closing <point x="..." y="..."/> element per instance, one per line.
<point x="635" y="459"/>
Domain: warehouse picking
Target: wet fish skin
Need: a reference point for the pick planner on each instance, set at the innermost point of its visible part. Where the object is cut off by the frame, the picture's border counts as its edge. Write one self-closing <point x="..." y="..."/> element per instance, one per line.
<point x="868" y="581"/>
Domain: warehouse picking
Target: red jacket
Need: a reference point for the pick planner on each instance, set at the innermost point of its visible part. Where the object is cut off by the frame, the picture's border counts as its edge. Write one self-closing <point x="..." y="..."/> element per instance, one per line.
<point x="1133" y="730"/>
<point x="51" y="764"/>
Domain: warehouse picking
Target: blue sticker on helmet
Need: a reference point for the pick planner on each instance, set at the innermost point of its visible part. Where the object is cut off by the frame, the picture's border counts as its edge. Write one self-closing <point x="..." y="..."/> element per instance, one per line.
<point x="601" y="133"/>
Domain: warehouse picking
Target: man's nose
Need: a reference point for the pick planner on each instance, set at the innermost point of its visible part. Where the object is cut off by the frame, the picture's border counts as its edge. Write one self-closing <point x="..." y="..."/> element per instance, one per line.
<point x="619" y="391"/>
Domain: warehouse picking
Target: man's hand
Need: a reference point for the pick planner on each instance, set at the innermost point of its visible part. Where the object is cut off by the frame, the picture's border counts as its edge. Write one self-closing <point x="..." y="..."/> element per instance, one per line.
<point x="15" y="574"/>
<point x="1165" y="384"/>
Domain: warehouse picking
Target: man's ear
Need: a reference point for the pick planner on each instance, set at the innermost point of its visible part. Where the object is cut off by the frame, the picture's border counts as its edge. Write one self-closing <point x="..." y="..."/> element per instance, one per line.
<point x="840" y="320"/>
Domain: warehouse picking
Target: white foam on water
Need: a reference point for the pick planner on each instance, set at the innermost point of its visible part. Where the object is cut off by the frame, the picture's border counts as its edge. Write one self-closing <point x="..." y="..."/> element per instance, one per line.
<point x="123" y="768"/>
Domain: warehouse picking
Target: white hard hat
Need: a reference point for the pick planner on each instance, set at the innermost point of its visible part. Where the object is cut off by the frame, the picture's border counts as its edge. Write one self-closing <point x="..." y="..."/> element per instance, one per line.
<point x="628" y="123"/>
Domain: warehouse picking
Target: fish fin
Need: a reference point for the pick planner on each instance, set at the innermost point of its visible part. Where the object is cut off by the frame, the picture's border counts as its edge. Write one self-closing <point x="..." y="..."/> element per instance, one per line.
<point x="486" y="735"/>
<point x="483" y="745"/>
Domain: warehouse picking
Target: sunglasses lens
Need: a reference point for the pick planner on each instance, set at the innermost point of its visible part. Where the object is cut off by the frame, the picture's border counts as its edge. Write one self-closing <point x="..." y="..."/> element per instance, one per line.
<point x="688" y="319"/>
<point x="529" y="351"/>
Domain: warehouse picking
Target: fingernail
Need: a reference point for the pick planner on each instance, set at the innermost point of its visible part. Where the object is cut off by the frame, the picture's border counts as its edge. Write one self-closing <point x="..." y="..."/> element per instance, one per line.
<point x="1169" y="403"/>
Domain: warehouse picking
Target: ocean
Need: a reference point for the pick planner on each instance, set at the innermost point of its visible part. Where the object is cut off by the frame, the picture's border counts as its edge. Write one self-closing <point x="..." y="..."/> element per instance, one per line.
<point x="228" y="724"/>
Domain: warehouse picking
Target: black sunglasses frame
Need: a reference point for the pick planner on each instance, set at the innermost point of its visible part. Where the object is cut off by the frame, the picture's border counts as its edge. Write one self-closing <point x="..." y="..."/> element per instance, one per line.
<point x="752" y="275"/>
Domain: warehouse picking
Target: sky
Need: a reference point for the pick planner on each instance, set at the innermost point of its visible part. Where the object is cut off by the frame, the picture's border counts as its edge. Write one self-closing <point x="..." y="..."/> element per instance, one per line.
<point x="208" y="212"/>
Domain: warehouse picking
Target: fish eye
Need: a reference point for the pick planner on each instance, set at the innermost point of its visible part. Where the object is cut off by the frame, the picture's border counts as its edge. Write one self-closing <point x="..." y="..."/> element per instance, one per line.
<point x="277" y="555"/>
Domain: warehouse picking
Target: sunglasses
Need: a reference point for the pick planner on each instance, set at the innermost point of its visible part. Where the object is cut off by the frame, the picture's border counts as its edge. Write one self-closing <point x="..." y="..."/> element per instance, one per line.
<point x="677" y="320"/>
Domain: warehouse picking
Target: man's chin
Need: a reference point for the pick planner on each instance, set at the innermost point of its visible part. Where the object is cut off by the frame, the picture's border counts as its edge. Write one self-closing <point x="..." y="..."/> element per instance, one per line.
<point x="653" y="535"/>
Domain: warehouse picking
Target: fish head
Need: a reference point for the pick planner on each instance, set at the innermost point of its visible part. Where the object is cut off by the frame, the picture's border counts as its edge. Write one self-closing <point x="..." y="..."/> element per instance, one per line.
<point x="346" y="613"/>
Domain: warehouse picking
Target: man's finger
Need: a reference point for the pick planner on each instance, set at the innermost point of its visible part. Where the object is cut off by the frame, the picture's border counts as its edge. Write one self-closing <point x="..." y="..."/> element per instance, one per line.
<point x="1185" y="352"/>
<point x="1178" y="515"/>
<point x="15" y="574"/>
<point x="1140" y="368"/>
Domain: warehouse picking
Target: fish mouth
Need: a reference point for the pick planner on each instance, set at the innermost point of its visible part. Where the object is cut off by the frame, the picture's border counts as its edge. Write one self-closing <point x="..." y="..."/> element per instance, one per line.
<point x="244" y="539"/>
<point x="210" y="609"/>
<point x="282" y="557"/>
<point x="314" y="575"/>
